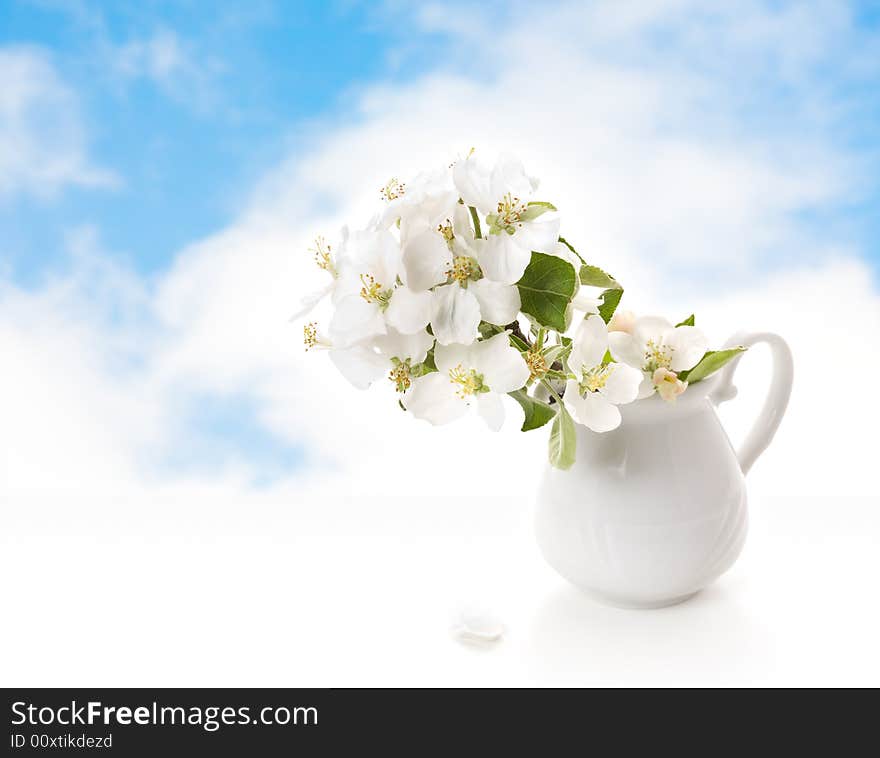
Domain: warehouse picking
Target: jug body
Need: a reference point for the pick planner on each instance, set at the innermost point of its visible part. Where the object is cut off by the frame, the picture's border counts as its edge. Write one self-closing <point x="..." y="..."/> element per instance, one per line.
<point x="655" y="510"/>
<point x="652" y="511"/>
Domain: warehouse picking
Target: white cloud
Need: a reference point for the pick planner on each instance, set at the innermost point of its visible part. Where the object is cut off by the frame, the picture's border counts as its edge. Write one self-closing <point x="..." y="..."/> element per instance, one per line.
<point x="663" y="176"/>
<point x="43" y="146"/>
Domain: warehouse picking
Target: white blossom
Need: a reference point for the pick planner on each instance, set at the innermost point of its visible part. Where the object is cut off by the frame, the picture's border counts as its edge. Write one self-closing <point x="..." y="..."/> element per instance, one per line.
<point x="598" y="388"/>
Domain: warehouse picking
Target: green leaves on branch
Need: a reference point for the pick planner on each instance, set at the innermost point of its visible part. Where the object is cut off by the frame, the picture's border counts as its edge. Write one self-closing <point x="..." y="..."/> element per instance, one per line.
<point x="710" y="363"/>
<point x="563" y="440"/>
<point x="536" y="413"/>
<point x="546" y="288"/>
<point x="610" y="300"/>
<point x="593" y="276"/>
<point x="689" y="321"/>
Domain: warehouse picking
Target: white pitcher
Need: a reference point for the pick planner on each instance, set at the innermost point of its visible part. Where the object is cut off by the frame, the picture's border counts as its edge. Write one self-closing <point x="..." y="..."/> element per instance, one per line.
<point x="655" y="510"/>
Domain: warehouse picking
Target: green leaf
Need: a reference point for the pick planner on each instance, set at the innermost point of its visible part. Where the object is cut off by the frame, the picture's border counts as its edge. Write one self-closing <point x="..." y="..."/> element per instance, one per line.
<point x="594" y="276"/>
<point x="710" y="363"/>
<point x="566" y="243"/>
<point x="537" y="413"/>
<point x="535" y="209"/>
<point x="563" y="440"/>
<point x="610" y="300"/>
<point x="546" y="288"/>
<point x="425" y="367"/>
<point x="689" y="321"/>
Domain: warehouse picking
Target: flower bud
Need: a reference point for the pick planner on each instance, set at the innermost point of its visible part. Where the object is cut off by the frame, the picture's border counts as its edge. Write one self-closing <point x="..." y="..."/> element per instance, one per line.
<point x="668" y="385"/>
<point x="622" y="321"/>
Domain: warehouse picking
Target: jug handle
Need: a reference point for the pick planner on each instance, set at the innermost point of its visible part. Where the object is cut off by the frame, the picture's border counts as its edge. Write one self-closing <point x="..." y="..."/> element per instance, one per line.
<point x="762" y="431"/>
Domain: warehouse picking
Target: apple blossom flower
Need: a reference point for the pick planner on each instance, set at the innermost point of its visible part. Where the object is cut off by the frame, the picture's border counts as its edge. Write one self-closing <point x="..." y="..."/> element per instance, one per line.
<point x="445" y="259"/>
<point x="622" y="321"/>
<point x="516" y="228"/>
<point x="655" y="343"/>
<point x="370" y="295"/>
<point x="668" y="385"/>
<point x="326" y="260"/>
<point x="393" y="354"/>
<point x="598" y="388"/>
<point x="426" y="199"/>
<point x="479" y="373"/>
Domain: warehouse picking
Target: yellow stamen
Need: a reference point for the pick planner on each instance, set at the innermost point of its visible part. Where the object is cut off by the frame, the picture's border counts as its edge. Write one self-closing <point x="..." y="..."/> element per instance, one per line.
<point x="310" y="335"/>
<point x="393" y="189"/>
<point x="657" y="356"/>
<point x="468" y="380"/>
<point x="400" y="376"/>
<point x="323" y="256"/>
<point x="510" y="210"/>
<point x="446" y="231"/>
<point x="372" y="290"/>
<point x="596" y="378"/>
<point x="536" y="362"/>
<point x="463" y="269"/>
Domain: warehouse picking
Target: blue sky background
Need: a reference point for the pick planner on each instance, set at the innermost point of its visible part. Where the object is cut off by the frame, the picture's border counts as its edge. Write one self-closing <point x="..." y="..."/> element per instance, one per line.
<point x="187" y="107"/>
<point x="186" y="152"/>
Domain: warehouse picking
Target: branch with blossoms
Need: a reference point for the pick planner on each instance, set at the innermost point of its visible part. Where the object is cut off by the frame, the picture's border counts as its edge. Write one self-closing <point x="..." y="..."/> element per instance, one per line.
<point x="461" y="291"/>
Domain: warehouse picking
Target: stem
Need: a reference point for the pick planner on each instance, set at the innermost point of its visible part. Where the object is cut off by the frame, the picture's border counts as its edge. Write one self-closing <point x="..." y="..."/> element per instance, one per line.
<point x="517" y="332"/>
<point x="552" y="391"/>
<point x="477" y="231"/>
<point x="539" y="339"/>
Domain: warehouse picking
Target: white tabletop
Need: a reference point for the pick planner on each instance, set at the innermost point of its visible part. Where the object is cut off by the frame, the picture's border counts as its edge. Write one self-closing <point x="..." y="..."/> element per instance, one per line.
<point x="362" y="593"/>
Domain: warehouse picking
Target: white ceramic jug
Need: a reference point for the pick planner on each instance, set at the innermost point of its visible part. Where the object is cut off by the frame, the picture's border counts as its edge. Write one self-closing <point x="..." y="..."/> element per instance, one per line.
<point x="655" y="510"/>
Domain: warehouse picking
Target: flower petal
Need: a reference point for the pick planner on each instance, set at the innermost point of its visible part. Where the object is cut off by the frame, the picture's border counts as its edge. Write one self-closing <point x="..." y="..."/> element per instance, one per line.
<point x="584" y="301"/>
<point x="646" y="388"/>
<point x="448" y="357"/>
<point x="491" y="410"/>
<point x="593" y="410"/>
<point x="408" y="311"/>
<point x="432" y="398"/>
<point x="650" y="328"/>
<point x="355" y="320"/>
<point x="562" y="251"/>
<point x="376" y="253"/>
<point x="472" y="179"/>
<point x="461" y="224"/>
<point x="622" y="384"/>
<point x="426" y="259"/>
<point x="455" y="315"/>
<point x="542" y="234"/>
<point x="360" y="365"/>
<point x="590" y="343"/>
<point x="689" y="345"/>
<point x="501" y="365"/>
<point x="509" y="176"/>
<point x="499" y="303"/>
<point x="308" y="303"/>
<point x="405" y="346"/>
<point x="626" y="349"/>
<point x="503" y="259"/>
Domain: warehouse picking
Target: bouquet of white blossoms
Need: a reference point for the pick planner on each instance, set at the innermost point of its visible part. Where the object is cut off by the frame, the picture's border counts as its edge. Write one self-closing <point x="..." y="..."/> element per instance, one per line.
<point x="462" y="290"/>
